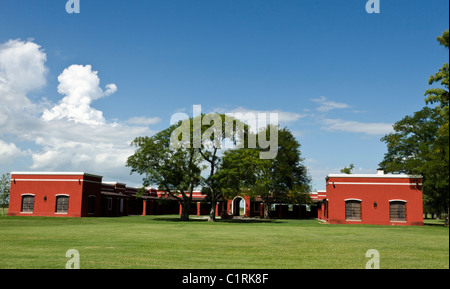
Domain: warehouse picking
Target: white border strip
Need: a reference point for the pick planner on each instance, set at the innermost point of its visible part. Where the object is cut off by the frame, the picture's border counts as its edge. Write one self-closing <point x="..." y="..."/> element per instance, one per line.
<point x="383" y="184"/>
<point x="55" y="180"/>
<point x="56" y="174"/>
<point x="386" y="176"/>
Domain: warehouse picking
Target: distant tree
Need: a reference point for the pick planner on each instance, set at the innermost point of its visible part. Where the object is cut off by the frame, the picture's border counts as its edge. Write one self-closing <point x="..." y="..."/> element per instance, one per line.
<point x="5" y="186"/>
<point x="174" y="170"/>
<point x="420" y="143"/>
<point x="348" y="170"/>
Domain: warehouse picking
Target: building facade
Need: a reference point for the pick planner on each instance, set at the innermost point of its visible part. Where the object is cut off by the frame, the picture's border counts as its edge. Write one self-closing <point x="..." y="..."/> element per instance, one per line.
<point x="55" y="194"/>
<point x="378" y="199"/>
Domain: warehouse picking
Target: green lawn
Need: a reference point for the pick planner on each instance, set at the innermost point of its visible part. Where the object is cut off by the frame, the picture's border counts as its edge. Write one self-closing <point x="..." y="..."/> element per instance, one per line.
<point x="164" y="242"/>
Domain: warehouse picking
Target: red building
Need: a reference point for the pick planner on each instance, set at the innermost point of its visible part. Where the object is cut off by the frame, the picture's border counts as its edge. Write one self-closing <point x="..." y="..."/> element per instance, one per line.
<point x="349" y="199"/>
<point x="378" y="199"/>
<point x="78" y="194"/>
<point x="55" y="194"/>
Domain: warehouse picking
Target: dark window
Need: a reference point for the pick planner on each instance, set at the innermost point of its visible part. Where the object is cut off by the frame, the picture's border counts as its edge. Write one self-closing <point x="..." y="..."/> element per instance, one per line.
<point x="62" y="204"/>
<point x="353" y="210"/>
<point x="256" y="207"/>
<point x="27" y="204"/>
<point x="91" y="205"/>
<point x="397" y="211"/>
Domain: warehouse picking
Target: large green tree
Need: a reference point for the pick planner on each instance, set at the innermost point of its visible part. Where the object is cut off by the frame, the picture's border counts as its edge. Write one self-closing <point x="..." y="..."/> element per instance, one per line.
<point x="420" y="143"/>
<point x="174" y="170"/>
<point x="216" y="129"/>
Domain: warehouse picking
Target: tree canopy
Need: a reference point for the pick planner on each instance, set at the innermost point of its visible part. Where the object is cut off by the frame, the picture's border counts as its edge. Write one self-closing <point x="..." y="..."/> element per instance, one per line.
<point x="420" y="142"/>
<point x="281" y="179"/>
<point x="174" y="170"/>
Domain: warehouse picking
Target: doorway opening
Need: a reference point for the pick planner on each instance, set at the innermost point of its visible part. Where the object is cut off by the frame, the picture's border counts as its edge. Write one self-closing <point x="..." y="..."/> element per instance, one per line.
<point x="238" y="206"/>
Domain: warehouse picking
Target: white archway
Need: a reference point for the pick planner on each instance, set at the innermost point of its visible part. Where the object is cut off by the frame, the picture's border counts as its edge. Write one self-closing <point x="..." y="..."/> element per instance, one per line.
<point x="236" y="206"/>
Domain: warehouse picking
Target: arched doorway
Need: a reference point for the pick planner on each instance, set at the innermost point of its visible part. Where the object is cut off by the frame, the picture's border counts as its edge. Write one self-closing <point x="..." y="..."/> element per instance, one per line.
<point x="238" y="208"/>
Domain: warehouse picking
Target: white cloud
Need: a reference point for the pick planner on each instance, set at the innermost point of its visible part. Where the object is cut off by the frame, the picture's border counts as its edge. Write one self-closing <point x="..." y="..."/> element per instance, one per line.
<point x="84" y="147"/>
<point x="340" y="125"/>
<point x="144" y="120"/>
<point x="22" y="66"/>
<point x="22" y="69"/>
<point x="8" y="152"/>
<point x="77" y="135"/>
<point x="334" y="125"/>
<point x="326" y="105"/>
<point x="283" y="116"/>
<point x="70" y="135"/>
<point x="250" y="115"/>
<point x="81" y="86"/>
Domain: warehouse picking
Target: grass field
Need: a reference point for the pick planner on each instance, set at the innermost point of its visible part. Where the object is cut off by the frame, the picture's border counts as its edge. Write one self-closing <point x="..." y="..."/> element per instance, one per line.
<point x="163" y="242"/>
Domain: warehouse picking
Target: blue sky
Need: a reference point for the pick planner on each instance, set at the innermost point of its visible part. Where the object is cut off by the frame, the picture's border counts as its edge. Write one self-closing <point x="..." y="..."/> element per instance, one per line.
<point x="338" y="76"/>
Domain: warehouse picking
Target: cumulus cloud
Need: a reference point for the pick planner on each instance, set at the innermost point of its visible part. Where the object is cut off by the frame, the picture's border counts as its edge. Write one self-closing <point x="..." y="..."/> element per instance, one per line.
<point x="85" y="147"/>
<point x="8" y="152"/>
<point x="77" y="135"/>
<point x="69" y="135"/>
<point x="22" y="66"/>
<point x="22" y="69"/>
<point x="81" y="86"/>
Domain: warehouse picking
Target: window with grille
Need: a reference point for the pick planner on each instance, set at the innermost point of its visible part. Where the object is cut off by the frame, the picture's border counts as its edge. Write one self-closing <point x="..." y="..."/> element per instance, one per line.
<point x="397" y="211"/>
<point x="353" y="210"/>
<point x="62" y="204"/>
<point x="27" y="204"/>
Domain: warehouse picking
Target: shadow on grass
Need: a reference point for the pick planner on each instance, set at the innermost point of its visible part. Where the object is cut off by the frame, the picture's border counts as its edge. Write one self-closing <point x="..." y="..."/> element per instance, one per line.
<point x="205" y="220"/>
<point x="178" y="220"/>
<point x="249" y="221"/>
<point x="433" y="223"/>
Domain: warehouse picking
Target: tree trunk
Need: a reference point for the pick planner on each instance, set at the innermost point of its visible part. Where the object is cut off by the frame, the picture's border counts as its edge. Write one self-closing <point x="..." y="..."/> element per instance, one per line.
<point x="446" y="217"/>
<point x="266" y="207"/>
<point x="212" y="212"/>
<point x="185" y="209"/>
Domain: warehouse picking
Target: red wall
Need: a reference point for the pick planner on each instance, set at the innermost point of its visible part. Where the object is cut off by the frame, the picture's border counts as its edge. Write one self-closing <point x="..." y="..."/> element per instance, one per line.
<point x="374" y="189"/>
<point x="45" y="188"/>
